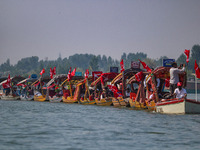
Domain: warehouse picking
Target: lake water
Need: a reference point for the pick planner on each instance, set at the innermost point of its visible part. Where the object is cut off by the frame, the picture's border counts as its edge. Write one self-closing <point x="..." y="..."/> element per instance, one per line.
<point x="29" y="125"/>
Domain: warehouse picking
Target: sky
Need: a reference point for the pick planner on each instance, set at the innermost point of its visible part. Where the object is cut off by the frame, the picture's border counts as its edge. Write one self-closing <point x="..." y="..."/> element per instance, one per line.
<point x="47" y="28"/>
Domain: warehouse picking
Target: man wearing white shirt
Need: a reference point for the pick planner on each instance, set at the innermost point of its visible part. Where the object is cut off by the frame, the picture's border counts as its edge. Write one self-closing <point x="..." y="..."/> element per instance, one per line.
<point x="179" y="91"/>
<point x="174" y="76"/>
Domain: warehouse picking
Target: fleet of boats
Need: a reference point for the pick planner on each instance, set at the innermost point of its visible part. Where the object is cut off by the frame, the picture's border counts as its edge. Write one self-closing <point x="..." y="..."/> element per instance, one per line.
<point x="134" y="87"/>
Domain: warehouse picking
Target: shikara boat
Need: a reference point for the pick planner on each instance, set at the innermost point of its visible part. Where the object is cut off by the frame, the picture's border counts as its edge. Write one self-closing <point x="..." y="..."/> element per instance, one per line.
<point x="69" y="94"/>
<point x="11" y="93"/>
<point x="26" y="91"/>
<point x="137" y="95"/>
<point x="163" y="102"/>
<point x="103" y="96"/>
<point x="40" y="89"/>
<point x="54" y="88"/>
<point x="83" y="94"/>
<point x="122" y="99"/>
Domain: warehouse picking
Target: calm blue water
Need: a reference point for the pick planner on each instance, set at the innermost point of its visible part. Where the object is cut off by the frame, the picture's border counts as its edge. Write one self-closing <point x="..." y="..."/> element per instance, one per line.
<point x="26" y="125"/>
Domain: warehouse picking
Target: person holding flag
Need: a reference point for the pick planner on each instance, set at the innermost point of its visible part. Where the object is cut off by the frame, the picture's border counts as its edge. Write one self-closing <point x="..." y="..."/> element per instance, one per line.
<point x="174" y="76"/>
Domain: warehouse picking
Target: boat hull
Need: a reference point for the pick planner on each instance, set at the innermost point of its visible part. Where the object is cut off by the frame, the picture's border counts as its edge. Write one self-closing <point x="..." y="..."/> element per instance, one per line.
<point x="182" y="106"/>
<point x="104" y="101"/>
<point x="40" y="98"/>
<point x="10" y="97"/>
<point x="69" y="100"/>
<point x="87" y="102"/>
<point x="55" y="99"/>
<point x="26" y="98"/>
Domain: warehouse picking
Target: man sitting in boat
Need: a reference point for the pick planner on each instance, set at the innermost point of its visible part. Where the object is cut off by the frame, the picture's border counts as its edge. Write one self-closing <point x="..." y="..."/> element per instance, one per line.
<point x="180" y="92"/>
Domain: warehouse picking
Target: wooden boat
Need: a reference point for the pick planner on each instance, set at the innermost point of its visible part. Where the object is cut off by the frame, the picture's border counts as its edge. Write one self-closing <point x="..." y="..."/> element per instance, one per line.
<point x="100" y="86"/>
<point x="82" y="92"/>
<point x="162" y="101"/>
<point x="120" y="81"/>
<point x="25" y="97"/>
<point x="26" y="92"/>
<point x="40" y="90"/>
<point x="137" y="96"/>
<point x="54" y="88"/>
<point x="10" y="93"/>
<point x="178" y="106"/>
<point x="70" y="95"/>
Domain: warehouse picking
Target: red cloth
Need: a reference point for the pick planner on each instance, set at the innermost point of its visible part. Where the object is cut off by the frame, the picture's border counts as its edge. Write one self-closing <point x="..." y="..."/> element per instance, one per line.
<point x="139" y="76"/>
<point x="86" y="73"/>
<point x="122" y="65"/>
<point x="43" y="71"/>
<point x="187" y="53"/>
<point x="145" y="66"/>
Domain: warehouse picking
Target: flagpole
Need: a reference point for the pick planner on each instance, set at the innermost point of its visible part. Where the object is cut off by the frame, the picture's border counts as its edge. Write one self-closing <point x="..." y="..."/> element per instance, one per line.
<point x="196" y="87"/>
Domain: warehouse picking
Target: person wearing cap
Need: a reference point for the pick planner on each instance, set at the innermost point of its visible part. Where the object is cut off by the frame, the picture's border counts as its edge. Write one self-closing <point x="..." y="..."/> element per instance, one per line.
<point x="174" y="76"/>
<point x="180" y="92"/>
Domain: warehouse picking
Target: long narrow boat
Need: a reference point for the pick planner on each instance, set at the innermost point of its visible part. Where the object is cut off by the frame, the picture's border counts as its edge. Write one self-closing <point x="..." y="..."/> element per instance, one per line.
<point x="100" y="86"/>
<point x="41" y="89"/>
<point x="70" y="94"/>
<point x="84" y="95"/>
<point x="168" y="105"/>
<point x="178" y="106"/>
<point x="120" y="81"/>
<point x="11" y="93"/>
<point x="137" y="96"/>
<point x="26" y="92"/>
<point x="54" y="88"/>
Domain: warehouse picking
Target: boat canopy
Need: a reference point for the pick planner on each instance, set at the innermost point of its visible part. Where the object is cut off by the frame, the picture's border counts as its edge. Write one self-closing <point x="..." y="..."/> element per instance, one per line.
<point x="105" y="77"/>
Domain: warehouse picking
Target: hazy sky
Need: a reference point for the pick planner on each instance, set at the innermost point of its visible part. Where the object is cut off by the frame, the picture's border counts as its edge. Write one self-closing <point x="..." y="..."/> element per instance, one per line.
<point x="46" y="28"/>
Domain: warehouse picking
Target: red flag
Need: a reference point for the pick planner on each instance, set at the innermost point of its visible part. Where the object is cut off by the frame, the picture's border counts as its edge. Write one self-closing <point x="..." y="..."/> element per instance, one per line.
<point x="73" y="72"/>
<point x="23" y="85"/>
<point x="51" y="73"/>
<point x="43" y="71"/>
<point x="187" y="53"/>
<point x="7" y="83"/>
<point x="86" y="73"/>
<point x="197" y="70"/>
<point x="122" y="65"/>
<point x="8" y="80"/>
<point x="69" y="74"/>
<point x="139" y="76"/>
<point x="145" y="66"/>
<point x="37" y="84"/>
<point x="54" y="71"/>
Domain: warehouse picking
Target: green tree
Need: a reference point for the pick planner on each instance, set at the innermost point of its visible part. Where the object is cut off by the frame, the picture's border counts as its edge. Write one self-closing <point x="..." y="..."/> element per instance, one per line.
<point x="94" y="64"/>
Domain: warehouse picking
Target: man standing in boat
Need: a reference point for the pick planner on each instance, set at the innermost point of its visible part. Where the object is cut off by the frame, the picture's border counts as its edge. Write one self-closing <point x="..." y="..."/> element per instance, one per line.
<point x="174" y="76"/>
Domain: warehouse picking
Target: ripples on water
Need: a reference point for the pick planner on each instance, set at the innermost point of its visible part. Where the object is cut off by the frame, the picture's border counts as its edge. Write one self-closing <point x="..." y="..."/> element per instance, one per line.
<point x="42" y="125"/>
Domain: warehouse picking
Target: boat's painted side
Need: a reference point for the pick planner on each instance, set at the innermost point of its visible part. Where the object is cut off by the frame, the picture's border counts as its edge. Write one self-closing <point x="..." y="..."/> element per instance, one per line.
<point x="40" y="98"/>
<point x="55" y="99"/>
<point x="10" y="97"/>
<point x="104" y="101"/>
<point x="87" y="102"/>
<point x="69" y="99"/>
<point x="26" y="98"/>
<point x="177" y="106"/>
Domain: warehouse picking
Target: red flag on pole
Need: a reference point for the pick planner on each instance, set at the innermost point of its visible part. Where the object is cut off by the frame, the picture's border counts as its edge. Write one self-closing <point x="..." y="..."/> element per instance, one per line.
<point x="86" y="73"/>
<point x="69" y="74"/>
<point x="7" y="83"/>
<point x="197" y="70"/>
<point x="54" y="71"/>
<point x="43" y="71"/>
<point x="145" y="66"/>
<point x="139" y="76"/>
<point x="73" y="72"/>
<point x="51" y="73"/>
<point x="122" y="65"/>
<point x="187" y="53"/>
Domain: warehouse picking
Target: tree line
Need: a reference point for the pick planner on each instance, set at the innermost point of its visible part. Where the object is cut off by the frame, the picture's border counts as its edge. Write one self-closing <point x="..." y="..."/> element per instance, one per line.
<point x="32" y="65"/>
